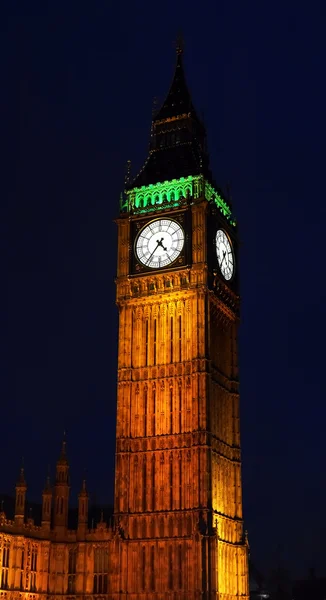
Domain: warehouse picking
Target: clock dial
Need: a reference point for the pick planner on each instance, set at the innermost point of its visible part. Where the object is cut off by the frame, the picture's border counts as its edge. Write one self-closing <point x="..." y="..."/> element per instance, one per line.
<point x="225" y="255"/>
<point x="159" y="243"/>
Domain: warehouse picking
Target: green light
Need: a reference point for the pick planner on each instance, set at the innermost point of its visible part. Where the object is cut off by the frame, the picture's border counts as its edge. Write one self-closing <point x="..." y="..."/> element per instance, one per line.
<point x="171" y="194"/>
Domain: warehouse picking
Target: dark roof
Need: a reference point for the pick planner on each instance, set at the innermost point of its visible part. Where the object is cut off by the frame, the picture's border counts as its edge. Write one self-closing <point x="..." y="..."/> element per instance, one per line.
<point x="170" y="163"/>
<point x="178" y="138"/>
<point x="178" y="100"/>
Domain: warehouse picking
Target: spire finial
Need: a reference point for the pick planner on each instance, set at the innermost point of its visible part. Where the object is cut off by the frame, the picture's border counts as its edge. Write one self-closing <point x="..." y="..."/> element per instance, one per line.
<point x="179" y="43"/>
<point x="21" y="480"/>
<point x="64" y="442"/>
<point x="63" y="454"/>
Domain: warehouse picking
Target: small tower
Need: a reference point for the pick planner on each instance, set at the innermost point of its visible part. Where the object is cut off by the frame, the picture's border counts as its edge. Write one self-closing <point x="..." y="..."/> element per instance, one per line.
<point x="21" y="488"/>
<point x="82" y="511"/>
<point x="47" y="504"/>
<point x="61" y="493"/>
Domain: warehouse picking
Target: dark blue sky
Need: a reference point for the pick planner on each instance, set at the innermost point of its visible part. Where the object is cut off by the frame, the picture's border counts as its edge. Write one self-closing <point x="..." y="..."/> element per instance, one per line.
<point x="77" y="86"/>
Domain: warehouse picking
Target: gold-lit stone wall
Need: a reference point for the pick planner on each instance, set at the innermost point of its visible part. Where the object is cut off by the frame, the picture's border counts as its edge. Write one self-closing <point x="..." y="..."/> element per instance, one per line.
<point x="178" y="471"/>
<point x="178" y="531"/>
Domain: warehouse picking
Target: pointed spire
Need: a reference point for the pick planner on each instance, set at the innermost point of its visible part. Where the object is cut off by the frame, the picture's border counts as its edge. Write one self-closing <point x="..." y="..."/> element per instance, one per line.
<point x="21" y="488"/>
<point x="83" y="492"/>
<point x="178" y="146"/>
<point x="63" y="454"/>
<point x="61" y="491"/>
<point x="47" y="487"/>
<point x="178" y="101"/>
<point x="179" y="43"/>
<point x="82" y="510"/>
<point x="21" y="482"/>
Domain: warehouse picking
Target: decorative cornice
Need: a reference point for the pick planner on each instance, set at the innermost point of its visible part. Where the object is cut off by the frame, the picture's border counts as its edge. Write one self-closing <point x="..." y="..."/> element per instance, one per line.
<point x="174" y="194"/>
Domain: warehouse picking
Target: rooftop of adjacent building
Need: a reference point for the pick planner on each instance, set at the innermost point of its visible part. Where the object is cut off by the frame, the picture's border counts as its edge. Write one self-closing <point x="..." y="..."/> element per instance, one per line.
<point x="97" y="513"/>
<point x="32" y="513"/>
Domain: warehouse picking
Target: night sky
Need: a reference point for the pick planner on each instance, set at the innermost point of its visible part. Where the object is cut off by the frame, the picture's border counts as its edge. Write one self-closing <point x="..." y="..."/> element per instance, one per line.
<point x="77" y="86"/>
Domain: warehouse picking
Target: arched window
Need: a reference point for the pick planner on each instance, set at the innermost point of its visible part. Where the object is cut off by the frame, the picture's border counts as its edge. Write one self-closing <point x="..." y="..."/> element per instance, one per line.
<point x="101" y="569"/>
<point x="72" y="562"/>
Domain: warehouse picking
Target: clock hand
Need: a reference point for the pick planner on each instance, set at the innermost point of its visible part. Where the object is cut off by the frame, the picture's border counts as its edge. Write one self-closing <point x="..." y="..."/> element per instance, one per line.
<point x="159" y="243"/>
<point x="152" y="253"/>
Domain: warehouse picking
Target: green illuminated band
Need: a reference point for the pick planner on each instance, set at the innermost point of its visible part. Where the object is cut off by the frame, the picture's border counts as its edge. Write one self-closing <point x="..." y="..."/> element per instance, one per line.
<point x="171" y="194"/>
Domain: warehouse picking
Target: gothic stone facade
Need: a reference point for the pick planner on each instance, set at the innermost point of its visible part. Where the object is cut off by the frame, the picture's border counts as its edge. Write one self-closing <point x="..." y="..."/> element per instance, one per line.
<point x="178" y="528"/>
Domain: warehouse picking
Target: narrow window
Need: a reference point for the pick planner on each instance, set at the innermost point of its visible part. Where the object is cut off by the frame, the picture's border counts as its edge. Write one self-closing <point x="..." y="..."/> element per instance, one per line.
<point x="152" y="569"/>
<point x="153" y="483"/>
<point x="72" y="562"/>
<point x="171" y="410"/>
<point x="146" y="343"/>
<point x="154" y="349"/>
<point x="144" y="484"/>
<point x="101" y="569"/>
<point x="170" y="567"/>
<point x="33" y="570"/>
<point x="180" y="409"/>
<point x="180" y="338"/>
<point x="143" y="569"/>
<point x="180" y="566"/>
<point x="171" y="483"/>
<point x="180" y="482"/>
<point x="5" y="565"/>
<point x="154" y="411"/>
<point x="145" y="412"/>
<point x="171" y="338"/>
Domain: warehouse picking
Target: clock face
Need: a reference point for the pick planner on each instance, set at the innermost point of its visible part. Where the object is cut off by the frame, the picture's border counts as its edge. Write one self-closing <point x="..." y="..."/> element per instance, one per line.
<point x="225" y="255"/>
<point x="159" y="243"/>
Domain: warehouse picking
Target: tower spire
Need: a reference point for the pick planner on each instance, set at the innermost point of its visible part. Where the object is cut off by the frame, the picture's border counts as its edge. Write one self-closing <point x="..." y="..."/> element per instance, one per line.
<point x="47" y="504"/>
<point x="82" y="511"/>
<point x="61" y="490"/>
<point x="178" y="145"/>
<point x="21" y="488"/>
<point x="179" y="43"/>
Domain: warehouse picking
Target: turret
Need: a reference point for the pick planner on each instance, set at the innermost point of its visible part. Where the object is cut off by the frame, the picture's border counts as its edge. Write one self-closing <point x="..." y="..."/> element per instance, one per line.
<point x="47" y="504"/>
<point x="82" y="511"/>
<point x="21" y="488"/>
<point x="61" y="493"/>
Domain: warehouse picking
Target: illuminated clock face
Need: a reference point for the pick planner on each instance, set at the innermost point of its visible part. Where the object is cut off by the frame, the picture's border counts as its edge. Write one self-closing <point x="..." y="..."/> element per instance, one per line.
<point x="225" y="255"/>
<point x="159" y="243"/>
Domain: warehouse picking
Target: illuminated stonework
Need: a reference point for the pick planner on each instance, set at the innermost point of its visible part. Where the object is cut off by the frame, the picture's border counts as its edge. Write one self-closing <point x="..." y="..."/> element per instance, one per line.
<point x="178" y="491"/>
<point x="172" y="194"/>
<point x="177" y="529"/>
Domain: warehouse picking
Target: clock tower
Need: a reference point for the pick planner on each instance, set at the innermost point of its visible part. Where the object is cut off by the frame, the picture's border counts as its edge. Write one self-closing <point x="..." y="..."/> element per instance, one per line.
<point x="178" y="495"/>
